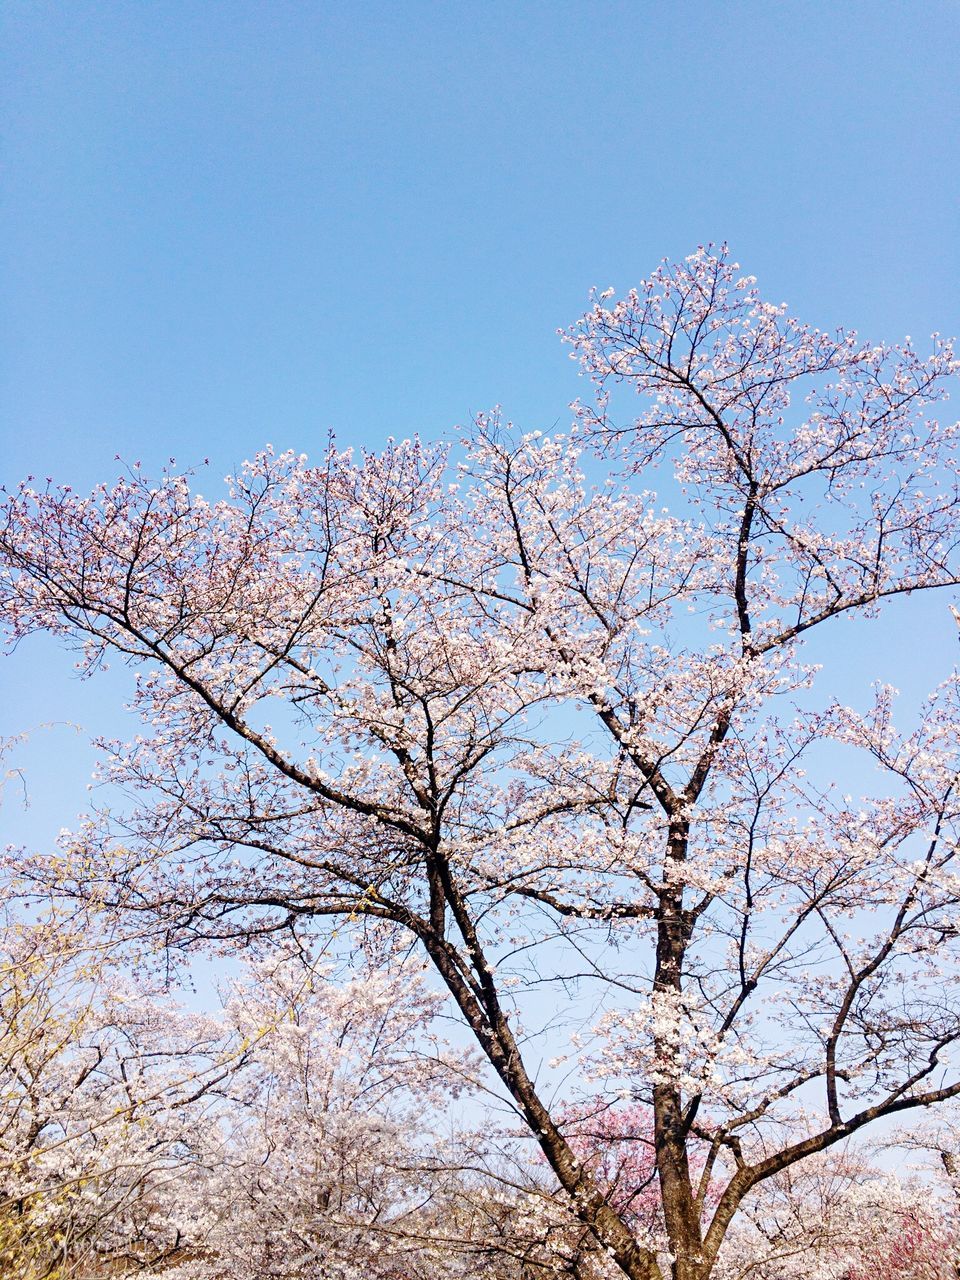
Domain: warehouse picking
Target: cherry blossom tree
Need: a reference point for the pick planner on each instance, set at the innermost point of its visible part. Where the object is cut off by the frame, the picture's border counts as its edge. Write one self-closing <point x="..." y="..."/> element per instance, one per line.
<point x="334" y="1164"/>
<point x="558" y="731"/>
<point x="837" y="1217"/>
<point x="105" y="1095"/>
<point x="282" y="1135"/>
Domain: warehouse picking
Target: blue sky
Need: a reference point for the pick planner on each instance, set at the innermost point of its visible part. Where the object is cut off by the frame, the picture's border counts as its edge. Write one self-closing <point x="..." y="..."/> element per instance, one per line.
<point x="223" y="224"/>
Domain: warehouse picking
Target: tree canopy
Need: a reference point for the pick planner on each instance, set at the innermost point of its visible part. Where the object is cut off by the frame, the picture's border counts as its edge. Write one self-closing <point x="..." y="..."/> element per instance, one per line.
<point x="537" y="706"/>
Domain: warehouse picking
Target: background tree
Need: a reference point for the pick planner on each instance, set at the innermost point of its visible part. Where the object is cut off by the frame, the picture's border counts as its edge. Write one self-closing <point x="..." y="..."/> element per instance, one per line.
<point x="297" y="1131"/>
<point x="337" y="1161"/>
<point x="522" y="718"/>
<point x="107" y="1098"/>
<point x="839" y="1217"/>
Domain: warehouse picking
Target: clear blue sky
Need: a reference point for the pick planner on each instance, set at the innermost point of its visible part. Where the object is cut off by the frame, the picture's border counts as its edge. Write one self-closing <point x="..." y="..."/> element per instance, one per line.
<point x="228" y="223"/>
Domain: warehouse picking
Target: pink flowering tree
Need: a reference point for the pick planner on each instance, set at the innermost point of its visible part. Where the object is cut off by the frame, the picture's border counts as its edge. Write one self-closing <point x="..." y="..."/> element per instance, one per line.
<point x="616" y="1144"/>
<point x="554" y="733"/>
